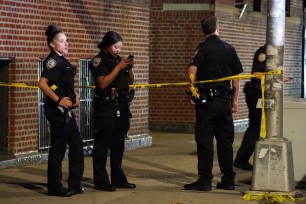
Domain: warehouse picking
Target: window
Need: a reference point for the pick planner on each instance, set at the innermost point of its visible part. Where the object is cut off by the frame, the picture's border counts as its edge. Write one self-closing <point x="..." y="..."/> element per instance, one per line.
<point x="257" y="5"/>
<point x="239" y="4"/>
<point x="288" y="8"/>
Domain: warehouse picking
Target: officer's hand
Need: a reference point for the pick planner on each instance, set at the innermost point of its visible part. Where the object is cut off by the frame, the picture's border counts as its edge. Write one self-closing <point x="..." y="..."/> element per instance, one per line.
<point x="189" y="98"/>
<point x="286" y="79"/>
<point x="122" y="64"/>
<point x="191" y="101"/>
<point x="66" y="102"/>
<point x="235" y="108"/>
<point x="77" y="101"/>
<point x="129" y="63"/>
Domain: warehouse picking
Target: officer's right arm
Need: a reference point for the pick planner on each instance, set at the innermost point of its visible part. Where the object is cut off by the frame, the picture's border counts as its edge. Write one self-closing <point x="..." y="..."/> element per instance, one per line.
<point x="43" y="85"/>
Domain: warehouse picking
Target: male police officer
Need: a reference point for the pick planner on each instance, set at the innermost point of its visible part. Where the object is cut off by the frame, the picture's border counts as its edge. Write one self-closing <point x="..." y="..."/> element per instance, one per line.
<point x="214" y="59"/>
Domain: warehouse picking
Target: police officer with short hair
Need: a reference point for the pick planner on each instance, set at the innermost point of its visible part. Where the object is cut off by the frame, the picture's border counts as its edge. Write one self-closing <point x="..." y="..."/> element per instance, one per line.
<point x="214" y="59"/>
<point x="112" y="77"/>
<point x="58" y="110"/>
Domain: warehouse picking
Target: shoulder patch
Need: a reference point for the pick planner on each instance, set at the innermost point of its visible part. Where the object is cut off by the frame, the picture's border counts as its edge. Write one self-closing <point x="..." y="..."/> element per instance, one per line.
<point x="261" y="57"/>
<point x="50" y="63"/>
<point x="96" y="61"/>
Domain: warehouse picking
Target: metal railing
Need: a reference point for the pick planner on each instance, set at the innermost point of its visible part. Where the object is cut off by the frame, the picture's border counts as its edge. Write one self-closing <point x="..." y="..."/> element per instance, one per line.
<point x="86" y="117"/>
<point x="86" y="120"/>
<point x="43" y="124"/>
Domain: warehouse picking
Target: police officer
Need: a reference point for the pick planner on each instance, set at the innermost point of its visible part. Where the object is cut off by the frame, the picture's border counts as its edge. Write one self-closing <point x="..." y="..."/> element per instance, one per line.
<point x="58" y="110"/>
<point x="112" y="77"/>
<point x="252" y="90"/>
<point x="214" y="59"/>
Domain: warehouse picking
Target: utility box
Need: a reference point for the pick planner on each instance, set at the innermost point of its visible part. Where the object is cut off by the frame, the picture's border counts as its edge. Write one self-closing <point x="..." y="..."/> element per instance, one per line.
<point x="294" y="117"/>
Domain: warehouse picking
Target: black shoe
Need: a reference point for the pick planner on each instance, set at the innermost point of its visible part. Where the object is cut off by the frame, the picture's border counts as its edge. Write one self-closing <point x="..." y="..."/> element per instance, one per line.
<point x="197" y="186"/>
<point x="60" y="193"/>
<point x="75" y="191"/>
<point x="126" y="185"/>
<point x="246" y="166"/>
<point x="109" y="188"/>
<point x="224" y="186"/>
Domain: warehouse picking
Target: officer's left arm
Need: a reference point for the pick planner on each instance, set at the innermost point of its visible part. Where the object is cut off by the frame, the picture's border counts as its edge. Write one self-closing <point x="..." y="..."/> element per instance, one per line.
<point x="236" y="86"/>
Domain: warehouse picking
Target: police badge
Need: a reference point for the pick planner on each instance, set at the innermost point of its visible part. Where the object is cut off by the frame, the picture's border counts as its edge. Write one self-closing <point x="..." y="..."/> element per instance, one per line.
<point x="96" y="61"/>
<point x="50" y="63"/>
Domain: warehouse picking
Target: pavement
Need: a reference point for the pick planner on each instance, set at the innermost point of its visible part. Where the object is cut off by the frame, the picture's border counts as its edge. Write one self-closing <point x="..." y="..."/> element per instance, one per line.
<point x="159" y="171"/>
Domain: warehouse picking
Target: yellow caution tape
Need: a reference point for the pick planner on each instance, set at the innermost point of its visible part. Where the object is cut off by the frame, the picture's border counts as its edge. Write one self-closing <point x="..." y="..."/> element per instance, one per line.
<point x="194" y="90"/>
<point x="263" y="132"/>
<point x="22" y="85"/>
<point x="270" y="198"/>
<point x="246" y="76"/>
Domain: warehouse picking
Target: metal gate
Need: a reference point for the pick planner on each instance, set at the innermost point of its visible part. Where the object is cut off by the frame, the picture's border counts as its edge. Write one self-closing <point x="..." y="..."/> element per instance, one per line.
<point x="43" y="124"/>
<point x="86" y="120"/>
<point x="86" y="117"/>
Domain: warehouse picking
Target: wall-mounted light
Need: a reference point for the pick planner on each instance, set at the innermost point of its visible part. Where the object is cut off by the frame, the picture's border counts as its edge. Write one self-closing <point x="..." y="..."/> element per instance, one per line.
<point x="243" y="10"/>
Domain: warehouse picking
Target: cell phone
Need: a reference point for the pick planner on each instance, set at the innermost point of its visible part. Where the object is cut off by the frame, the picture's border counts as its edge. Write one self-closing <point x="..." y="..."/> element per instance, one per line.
<point x="130" y="58"/>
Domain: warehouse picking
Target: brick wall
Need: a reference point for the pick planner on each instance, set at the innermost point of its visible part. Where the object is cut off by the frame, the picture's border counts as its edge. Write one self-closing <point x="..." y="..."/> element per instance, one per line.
<point x="23" y="24"/>
<point x="175" y="35"/>
<point x="162" y="40"/>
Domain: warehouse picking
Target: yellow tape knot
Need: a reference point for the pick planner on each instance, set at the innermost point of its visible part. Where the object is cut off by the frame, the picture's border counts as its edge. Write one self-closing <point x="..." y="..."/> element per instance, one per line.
<point x="194" y="90"/>
<point x="270" y="198"/>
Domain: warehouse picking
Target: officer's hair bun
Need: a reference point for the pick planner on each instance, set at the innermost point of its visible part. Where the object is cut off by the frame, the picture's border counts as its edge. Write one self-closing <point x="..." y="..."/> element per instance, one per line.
<point x="52" y="30"/>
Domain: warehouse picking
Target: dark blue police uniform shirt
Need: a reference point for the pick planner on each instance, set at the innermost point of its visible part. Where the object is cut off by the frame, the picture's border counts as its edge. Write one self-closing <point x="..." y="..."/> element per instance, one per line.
<point x="59" y="72"/>
<point x="102" y="65"/>
<point x="215" y="59"/>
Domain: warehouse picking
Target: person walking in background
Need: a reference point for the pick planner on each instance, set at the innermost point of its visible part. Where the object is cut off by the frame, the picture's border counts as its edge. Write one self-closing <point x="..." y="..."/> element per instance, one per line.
<point x="252" y="90"/>
<point x="58" y="107"/>
<point x="112" y="77"/>
<point x="214" y="59"/>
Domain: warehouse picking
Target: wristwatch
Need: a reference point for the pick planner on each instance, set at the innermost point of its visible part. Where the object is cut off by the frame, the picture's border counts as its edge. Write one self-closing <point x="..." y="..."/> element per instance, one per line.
<point x="59" y="100"/>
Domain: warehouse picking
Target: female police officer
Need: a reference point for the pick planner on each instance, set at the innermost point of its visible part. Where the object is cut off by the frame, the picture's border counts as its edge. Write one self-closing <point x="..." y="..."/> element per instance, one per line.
<point x="112" y="77"/>
<point x="58" y="110"/>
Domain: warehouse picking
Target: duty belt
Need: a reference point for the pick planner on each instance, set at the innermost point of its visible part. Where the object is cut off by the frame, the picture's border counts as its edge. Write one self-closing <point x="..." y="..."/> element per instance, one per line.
<point x="117" y="96"/>
<point x="212" y="92"/>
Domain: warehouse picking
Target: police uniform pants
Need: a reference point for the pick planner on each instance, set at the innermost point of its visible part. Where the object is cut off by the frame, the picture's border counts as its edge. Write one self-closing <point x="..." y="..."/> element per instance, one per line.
<point x="64" y="132"/>
<point x="214" y="118"/>
<point x="252" y="133"/>
<point x="110" y="134"/>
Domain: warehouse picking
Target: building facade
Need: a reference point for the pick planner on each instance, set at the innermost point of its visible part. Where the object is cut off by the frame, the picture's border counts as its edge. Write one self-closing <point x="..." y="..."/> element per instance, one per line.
<point x="161" y="34"/>
<point x="176" y="32"/>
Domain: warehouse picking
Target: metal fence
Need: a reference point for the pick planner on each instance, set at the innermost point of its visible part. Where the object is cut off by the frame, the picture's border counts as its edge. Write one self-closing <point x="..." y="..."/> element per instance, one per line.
<point x="86" y="121"/>
<point x="86" y="117"/>
<point x="43" y="124"/>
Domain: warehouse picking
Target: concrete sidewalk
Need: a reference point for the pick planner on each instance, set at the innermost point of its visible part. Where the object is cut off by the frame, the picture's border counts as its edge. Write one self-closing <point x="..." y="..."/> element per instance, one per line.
<point x="159" y="171"/>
